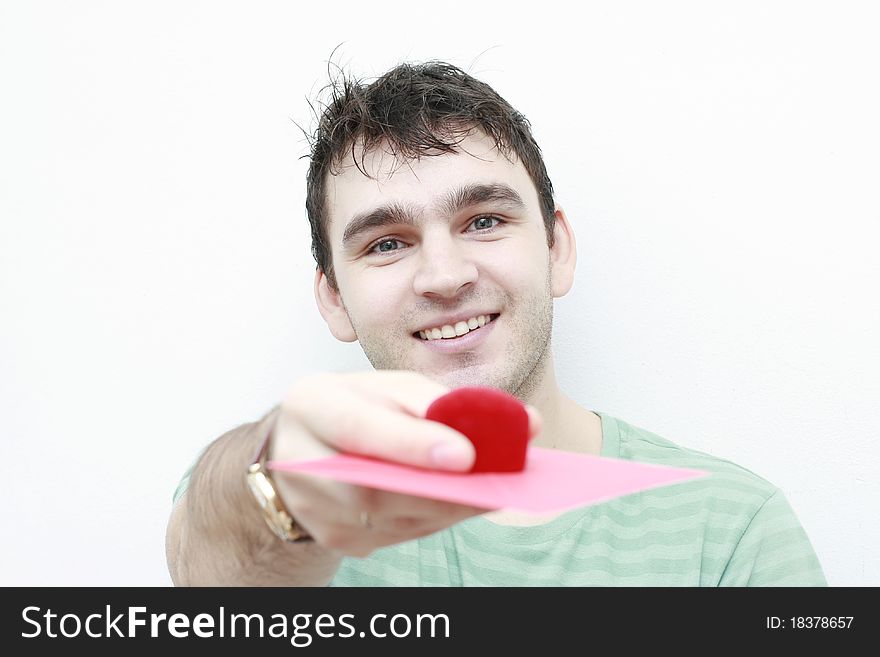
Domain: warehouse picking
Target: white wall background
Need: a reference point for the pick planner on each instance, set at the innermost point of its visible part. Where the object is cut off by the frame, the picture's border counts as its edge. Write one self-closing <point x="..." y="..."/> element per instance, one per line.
<point x="719" y="162"/>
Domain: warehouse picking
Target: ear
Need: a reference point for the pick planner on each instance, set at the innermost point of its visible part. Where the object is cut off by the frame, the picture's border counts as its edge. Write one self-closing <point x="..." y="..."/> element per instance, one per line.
<point x="563" y="255"/>
<point x="331" y="309"/>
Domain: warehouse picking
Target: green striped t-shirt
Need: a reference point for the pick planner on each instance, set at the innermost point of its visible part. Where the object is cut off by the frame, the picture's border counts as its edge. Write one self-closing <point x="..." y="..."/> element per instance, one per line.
<point x="732" y="528"/>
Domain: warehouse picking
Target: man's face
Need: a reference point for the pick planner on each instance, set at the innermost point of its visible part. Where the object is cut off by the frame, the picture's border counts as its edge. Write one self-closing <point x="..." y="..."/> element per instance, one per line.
<point x="427" y="255"/>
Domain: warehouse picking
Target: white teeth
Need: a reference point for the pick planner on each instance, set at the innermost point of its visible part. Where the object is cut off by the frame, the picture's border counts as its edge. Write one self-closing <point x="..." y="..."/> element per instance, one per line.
<point x="460" y="328"/>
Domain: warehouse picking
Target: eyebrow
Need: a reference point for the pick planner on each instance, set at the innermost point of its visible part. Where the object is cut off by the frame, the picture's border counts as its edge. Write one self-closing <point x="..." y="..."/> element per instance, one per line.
<point x="453" y="201"/>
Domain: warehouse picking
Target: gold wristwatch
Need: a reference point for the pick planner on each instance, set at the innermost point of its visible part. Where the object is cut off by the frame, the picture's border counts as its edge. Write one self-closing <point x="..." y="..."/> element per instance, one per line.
<point x="277" y="517"/>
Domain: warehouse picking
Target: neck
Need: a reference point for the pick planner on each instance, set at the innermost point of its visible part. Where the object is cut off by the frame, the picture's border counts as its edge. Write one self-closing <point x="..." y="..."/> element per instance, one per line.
<point x="564" y="424"/>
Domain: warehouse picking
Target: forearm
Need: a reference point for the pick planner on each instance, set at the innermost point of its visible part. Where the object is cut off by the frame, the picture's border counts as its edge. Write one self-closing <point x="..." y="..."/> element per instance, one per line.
<point x="217" y="536"/>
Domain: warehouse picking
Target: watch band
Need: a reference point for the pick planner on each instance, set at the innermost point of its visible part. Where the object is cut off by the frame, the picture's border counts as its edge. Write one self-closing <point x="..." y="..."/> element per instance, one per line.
<point x="277" y="517"/>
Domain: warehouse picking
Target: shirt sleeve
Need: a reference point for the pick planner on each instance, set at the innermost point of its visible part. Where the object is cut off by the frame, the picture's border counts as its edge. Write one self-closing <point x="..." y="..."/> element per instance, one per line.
<point x="774" y="550"/>
<point x="184" y="482"/>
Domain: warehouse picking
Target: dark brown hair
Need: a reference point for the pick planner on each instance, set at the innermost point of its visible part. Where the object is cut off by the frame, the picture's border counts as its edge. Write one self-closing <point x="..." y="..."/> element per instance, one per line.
<point x="414" y="110"/>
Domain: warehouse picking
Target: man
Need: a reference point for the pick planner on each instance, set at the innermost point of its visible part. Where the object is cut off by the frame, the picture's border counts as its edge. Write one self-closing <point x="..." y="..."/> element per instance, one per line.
<point x="440" y="248"/>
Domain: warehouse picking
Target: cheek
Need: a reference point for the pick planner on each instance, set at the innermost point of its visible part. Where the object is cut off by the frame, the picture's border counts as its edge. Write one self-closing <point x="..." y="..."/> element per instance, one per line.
<point x="519" y="269"/>
<point x="374" y="299"/>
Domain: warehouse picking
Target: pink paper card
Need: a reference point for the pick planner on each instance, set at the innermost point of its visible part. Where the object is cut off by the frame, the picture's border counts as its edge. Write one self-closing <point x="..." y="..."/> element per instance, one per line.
<point x="551" y="481"/>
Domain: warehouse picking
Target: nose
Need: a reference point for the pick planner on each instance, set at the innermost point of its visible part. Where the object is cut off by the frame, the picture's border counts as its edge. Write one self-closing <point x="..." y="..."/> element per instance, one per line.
<point x="445" y="268"/>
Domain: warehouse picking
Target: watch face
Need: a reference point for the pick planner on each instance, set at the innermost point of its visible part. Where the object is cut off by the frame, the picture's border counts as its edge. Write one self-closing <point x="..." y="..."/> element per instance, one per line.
<point x="279" y="521"/>
<point x="256" y="482"/>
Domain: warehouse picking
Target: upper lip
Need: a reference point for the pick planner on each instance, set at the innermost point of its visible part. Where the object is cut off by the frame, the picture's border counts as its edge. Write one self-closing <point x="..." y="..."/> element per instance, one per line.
<point x="452" y="320"/>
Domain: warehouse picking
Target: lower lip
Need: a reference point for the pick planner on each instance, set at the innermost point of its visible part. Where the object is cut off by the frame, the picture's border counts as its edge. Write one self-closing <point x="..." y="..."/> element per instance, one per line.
<point x="464" y="342"/>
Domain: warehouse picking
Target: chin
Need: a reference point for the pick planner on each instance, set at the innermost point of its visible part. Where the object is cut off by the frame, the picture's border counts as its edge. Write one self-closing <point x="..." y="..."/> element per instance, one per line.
<point x="469" y="376"/>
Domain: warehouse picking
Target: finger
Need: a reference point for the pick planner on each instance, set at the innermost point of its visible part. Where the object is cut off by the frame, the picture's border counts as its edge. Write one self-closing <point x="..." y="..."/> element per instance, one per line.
<point x="337" y="522"/>
<point x="388" y="504"/>
<point x="407" y="391"/>
<point x="350" y="422"/>
<point x="381" y="529"/>
<point x="413" y="393"/>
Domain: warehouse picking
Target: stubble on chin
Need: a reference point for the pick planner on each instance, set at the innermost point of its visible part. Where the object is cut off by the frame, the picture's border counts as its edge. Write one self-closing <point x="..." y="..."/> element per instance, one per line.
<point x="518" y="369"/>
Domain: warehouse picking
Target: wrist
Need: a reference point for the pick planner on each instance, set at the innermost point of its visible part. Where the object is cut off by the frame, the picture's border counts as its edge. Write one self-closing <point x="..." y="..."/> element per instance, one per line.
<point x="262" y="487"/>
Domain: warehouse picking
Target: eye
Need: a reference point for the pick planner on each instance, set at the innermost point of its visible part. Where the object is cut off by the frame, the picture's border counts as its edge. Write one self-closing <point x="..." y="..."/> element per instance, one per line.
<point x="385" y="245"/>
<point x="483" y="223"/>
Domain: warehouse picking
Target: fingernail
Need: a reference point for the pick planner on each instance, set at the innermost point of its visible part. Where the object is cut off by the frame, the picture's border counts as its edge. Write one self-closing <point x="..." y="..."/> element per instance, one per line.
<point x="450" y="456"/>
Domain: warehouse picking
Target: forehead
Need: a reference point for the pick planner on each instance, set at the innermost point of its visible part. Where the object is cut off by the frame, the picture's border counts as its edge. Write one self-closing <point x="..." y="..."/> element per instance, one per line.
<point x="420" y="182"/>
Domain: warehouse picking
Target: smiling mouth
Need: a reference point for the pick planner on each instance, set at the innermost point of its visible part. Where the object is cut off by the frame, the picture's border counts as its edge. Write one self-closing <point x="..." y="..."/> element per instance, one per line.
<point x="451" y="332"/>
